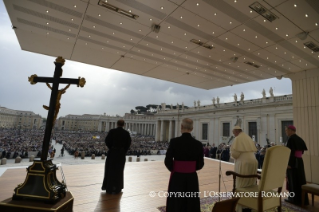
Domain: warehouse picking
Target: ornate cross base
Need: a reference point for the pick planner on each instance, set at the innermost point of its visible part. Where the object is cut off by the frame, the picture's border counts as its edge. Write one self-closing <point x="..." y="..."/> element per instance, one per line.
<point x="41" y="183"/>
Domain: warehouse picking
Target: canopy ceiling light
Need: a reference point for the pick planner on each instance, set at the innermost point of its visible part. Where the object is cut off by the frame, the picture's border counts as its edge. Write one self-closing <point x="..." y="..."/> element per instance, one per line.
<point x="252" y="64"/>
<point x="104" y="3"/>
<point x="198" y="42"/>
<point x="263" y="11"/>
<point x="156" y="28"/>
<point x="311" y="45"/>
<point x="234" y="59"/>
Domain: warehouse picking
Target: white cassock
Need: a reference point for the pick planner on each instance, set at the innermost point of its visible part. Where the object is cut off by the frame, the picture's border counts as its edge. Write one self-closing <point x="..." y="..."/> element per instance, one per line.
<point x="243" y="151"/>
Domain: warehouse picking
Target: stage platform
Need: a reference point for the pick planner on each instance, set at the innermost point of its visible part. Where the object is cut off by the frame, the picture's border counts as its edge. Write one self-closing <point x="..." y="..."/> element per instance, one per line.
<point x="141" y="178"/>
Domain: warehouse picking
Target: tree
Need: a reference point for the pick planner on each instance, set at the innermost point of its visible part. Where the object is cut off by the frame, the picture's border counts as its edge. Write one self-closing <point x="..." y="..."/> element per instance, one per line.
<point x="151" y="106"/>
<point x="141" y="109"/>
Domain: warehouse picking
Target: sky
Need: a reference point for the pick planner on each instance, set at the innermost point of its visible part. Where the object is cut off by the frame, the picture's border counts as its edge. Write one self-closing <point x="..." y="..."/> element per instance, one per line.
<point x="106" y="91"/>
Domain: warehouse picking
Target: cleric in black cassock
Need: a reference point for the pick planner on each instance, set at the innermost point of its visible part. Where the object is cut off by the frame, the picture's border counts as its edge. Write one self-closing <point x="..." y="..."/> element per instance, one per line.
<point x="295" y="171"/>
<point x="118" y="141"/>
<point x="183" y="157"/>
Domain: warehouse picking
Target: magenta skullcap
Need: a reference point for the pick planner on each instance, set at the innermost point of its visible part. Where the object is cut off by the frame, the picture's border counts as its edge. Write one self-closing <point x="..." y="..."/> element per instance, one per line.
<point x="292" y="127"/>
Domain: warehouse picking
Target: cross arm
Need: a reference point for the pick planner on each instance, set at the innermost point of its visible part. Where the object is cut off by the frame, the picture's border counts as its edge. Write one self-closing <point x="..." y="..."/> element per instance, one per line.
<point x="35" y="79"/>
<point x="60" y="80"/>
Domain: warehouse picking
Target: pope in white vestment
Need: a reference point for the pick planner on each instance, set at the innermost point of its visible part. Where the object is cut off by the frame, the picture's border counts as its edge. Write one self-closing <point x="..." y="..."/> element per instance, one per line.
<point x="243" y="151"/>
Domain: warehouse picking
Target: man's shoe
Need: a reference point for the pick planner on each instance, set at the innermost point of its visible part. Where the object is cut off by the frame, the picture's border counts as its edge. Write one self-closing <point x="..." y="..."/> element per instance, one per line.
<point x="117" y="192"/>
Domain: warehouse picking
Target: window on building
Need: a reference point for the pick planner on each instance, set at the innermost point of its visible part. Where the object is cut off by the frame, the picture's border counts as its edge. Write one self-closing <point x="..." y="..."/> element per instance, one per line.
<point x="226" y="129"/>
<point x="205" y="131"/>
<point x="283" y="133"/>
<point x="252" y="130"/>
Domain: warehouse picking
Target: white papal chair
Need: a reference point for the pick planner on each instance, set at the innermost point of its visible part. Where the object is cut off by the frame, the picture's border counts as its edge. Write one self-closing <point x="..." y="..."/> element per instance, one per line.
<point x="271" y="181"/>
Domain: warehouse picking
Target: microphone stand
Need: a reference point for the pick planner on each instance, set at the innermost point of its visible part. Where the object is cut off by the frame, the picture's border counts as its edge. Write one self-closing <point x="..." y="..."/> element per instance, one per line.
<point x="220" y="169"/>
<point x="220" y="174"/>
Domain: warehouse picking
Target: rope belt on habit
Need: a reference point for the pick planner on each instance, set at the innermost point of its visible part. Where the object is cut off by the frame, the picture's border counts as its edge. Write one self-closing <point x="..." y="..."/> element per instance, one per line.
<point x="298" y="154"/>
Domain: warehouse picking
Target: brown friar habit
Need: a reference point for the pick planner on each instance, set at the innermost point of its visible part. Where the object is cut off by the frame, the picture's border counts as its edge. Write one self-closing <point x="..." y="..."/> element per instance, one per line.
<point x="118" y="141"/>
<point x="296" y="174"/>
<point x="184" y="149"/>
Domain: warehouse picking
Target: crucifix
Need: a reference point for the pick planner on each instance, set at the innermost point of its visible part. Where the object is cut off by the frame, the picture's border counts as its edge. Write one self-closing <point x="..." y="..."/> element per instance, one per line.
<point x="41" y="182"/>
<point x="56" y="94"/>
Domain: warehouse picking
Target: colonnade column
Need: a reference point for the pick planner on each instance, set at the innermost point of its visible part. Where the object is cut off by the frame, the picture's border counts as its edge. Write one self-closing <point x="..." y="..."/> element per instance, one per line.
<point x="162" y="130"/>
<point x="305" y="87"/>
<point x="147" y="129"/>
<point x="153" y="129"/>
<point x="100" y="126"/>
<point x="144" y="129"/>
<point x="176" y="128"/>
<point x="106" y="126"/>
<point x="156" y="133"/>
<point x="157" y="130"/>
<point x="170" y="130"/>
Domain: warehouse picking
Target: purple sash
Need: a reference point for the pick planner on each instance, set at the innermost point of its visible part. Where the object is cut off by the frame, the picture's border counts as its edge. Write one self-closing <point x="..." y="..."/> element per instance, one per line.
<point x="298" y="154"/>
<point x="183" y="167"/>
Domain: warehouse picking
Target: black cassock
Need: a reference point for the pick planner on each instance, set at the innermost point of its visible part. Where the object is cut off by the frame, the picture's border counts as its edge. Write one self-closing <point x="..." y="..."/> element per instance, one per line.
<point x="296" y="175"/>
<point x="213" y="151"/>
<point x="118" y="141"/>
<point x="184" y="148"/>
<point x="225" y="155"/>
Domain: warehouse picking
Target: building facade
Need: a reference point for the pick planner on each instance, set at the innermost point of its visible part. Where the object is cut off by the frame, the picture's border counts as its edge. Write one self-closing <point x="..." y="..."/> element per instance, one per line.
<point x="19" y="119"/>
<point x="136" y="124"/>
<point x="263" y="119"/>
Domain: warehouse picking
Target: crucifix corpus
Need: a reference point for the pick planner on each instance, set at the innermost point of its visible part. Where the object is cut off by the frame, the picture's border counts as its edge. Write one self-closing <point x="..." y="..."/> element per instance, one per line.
<point x="41" y="182"/>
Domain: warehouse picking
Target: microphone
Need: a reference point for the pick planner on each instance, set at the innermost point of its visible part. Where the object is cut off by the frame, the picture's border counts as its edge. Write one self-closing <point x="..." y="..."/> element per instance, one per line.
<point x="231" y="138"/>
<point x="220" y="167"/>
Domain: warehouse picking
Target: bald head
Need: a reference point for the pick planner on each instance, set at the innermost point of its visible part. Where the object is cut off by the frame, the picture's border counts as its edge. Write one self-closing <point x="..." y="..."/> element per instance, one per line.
<point x="187" y="125"/>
